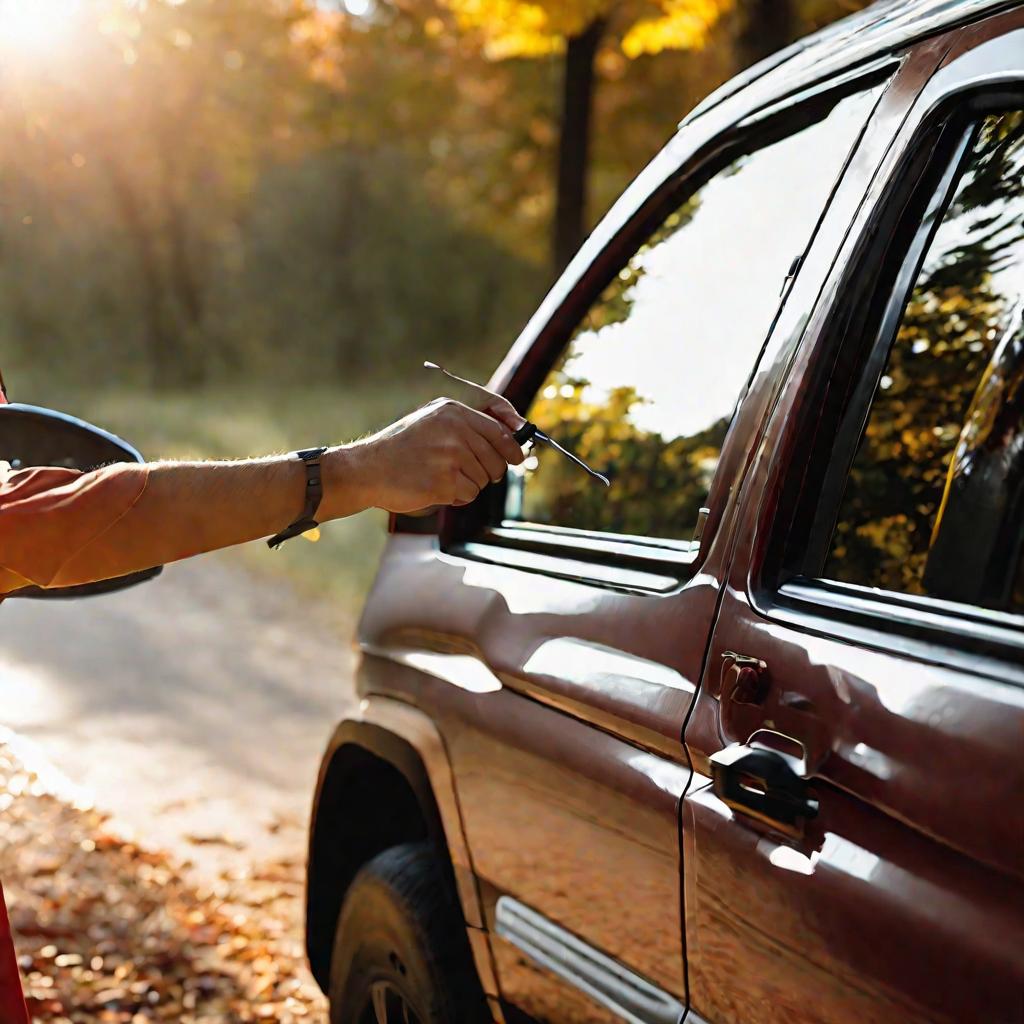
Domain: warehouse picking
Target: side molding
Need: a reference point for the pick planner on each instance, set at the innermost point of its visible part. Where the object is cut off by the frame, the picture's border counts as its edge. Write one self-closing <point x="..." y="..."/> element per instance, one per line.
<point x="626" y="994"/>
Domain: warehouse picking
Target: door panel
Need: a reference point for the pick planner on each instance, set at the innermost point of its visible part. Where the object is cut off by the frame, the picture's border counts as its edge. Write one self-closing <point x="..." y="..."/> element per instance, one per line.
<point x="902" y="898"/>
<point x="562" y="718"/>
<point x="862" y="920"/>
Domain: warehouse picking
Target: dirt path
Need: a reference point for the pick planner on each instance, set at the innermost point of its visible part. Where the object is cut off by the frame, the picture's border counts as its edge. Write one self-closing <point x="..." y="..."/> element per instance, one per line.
<point x="194" y="708"/>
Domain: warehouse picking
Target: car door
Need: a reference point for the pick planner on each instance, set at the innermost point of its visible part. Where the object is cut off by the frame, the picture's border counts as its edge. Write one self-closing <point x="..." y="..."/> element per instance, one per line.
<point x="559" y="628"/>
<point x="853" y="832"/>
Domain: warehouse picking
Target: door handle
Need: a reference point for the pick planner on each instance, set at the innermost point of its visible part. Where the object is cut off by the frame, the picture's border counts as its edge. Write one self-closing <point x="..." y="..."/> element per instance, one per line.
<point x="763" y="784"/>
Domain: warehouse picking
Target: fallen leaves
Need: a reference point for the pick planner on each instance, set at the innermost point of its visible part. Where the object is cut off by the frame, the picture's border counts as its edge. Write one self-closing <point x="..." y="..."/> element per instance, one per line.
<point x="108" y="931"/>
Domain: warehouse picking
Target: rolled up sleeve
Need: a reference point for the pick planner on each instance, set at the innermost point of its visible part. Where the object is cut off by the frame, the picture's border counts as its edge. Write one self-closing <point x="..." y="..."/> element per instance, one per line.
<point x="48" y="515"/>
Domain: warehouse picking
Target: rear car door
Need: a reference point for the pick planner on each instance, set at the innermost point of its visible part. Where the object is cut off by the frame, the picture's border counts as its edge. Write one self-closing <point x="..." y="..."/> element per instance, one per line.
<point x="854" y="828"/>
<point x="557" y="632"/>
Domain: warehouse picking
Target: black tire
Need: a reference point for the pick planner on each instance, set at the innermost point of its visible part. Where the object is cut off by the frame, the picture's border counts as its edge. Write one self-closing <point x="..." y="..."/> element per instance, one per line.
<point x="400" y="940"/>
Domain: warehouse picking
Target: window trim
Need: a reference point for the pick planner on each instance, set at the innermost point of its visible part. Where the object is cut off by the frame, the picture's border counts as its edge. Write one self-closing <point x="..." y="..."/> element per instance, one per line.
<point x="788" y="586"/>
<point x="480" y="531"/>
<point x="853" y="420"/>
<point x="904" y="624"/>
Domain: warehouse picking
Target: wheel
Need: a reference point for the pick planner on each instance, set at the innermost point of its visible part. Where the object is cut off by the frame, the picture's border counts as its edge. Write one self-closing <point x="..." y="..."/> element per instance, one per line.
<point x="401" y="955"/>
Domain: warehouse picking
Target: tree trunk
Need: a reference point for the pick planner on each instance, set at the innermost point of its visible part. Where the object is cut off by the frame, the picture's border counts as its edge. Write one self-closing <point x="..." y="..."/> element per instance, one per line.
<point x="766" y="26"/>
<point x="164" y="352"/>
<point x="574" y="143"/>
<point x="349" y="350"/>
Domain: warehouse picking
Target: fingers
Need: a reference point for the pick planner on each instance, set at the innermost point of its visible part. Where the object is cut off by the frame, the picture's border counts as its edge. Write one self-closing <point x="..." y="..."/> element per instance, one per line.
<point x="497" y="434"/>
<point x="466" y="490"/>
<point x="492" y="464"/>
<point x="504" y="411"/>
<point x="470" y="464"/>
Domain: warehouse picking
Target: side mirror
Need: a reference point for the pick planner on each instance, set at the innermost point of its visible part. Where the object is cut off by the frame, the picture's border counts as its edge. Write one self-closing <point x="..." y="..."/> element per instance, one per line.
<point x="31" y="436"/>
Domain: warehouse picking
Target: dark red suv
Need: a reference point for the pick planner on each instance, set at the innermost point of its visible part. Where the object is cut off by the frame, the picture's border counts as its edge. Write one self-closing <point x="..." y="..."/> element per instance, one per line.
<point x="740" y="738"/>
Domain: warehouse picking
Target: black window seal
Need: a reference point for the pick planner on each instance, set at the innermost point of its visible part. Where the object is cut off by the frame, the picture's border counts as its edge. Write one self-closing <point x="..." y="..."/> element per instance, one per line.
<point x="471" y="532"/>
<point x="987" y="642"/>
<point x="790" y="585"/>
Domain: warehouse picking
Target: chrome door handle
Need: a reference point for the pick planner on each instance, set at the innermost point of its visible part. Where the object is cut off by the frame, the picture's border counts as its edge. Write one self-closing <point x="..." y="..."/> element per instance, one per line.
<point x="763" y="784"/>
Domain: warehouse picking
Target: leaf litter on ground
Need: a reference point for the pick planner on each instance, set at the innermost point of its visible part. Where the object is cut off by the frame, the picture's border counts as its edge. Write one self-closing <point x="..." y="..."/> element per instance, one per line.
<point x="111" y="932"/>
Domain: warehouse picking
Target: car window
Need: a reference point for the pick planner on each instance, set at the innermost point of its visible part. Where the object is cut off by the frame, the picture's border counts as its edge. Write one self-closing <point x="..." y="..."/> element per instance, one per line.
<point x="647" y="385"/>
<point x="934" y="502"/>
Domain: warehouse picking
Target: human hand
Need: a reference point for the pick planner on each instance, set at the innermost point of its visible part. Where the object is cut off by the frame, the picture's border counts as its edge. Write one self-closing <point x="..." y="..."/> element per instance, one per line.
<point x="442" y="454"/>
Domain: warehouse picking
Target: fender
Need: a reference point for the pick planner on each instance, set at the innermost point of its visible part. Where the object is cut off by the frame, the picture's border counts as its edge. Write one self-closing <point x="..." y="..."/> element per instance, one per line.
<point x="410" y="742"/>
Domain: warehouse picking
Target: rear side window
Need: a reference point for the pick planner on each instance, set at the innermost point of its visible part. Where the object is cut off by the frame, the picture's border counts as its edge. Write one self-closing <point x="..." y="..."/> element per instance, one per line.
<point x="934" y="504"/>
<point x="647" y="386"/>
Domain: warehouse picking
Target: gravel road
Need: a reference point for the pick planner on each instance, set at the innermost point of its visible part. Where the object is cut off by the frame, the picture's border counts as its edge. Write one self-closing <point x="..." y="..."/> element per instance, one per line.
<point x="194" y="708"/>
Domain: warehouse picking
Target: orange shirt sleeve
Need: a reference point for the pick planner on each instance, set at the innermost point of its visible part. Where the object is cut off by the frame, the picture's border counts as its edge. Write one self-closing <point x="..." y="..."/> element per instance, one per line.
<point x="47" y="515"/>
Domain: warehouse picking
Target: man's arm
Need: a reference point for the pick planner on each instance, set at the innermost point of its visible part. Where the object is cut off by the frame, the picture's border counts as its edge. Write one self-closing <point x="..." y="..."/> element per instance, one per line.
<point x="442" y="454"/>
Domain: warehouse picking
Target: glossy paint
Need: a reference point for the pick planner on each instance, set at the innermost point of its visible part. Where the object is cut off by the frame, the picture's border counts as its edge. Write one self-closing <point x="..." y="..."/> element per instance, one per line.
<point x="558" y="698"/>
<point x="904" y="898"/>
<point x="568" y="762"/>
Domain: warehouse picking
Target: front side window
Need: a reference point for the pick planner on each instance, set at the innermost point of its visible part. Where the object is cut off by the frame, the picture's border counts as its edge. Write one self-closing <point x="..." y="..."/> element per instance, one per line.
<point x="648" y="383"/>
<point x="934" y="504"/>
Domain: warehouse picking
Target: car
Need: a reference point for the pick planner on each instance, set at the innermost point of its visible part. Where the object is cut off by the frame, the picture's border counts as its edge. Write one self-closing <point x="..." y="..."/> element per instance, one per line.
<point x="739" y="738"/>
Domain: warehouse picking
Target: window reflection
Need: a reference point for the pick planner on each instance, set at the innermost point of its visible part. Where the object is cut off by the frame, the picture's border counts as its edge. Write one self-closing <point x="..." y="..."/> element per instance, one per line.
<point x="647" y="386"/>
<point x="934" y="497"/>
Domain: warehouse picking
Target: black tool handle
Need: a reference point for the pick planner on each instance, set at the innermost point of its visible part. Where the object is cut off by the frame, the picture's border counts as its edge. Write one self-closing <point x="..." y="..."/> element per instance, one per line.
<point x="525" y="433"/>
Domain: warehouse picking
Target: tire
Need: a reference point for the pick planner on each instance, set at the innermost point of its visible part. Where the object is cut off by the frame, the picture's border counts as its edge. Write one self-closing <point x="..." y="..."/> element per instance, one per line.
<point x="401" y="955"/>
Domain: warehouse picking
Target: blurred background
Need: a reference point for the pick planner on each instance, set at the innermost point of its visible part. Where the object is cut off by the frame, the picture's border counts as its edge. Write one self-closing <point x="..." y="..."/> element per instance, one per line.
<point x="230" y="227"/>
<point x="235" y="226"/>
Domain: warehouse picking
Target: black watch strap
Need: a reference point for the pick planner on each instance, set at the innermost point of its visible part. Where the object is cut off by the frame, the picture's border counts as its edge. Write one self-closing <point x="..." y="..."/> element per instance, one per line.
<point x="314" y="495"/>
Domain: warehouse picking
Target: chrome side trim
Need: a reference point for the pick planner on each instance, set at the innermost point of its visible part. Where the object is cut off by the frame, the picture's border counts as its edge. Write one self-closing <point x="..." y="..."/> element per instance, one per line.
<point x="626" y="994"/>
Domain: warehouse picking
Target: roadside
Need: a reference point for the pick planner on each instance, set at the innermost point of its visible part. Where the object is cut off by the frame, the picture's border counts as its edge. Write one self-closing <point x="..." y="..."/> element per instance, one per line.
<point x="109" y="930"/>
<point x="158" y="753"/>
<point x="159" y="746"/>
<point x="194" y="709"/>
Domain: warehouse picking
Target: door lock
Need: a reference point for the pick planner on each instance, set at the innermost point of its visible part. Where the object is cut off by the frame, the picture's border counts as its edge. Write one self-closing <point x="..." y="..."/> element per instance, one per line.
<point x="743" y="680"/>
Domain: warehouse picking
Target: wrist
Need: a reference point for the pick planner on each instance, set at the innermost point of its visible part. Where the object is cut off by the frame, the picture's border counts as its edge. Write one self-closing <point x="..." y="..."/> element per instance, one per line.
<point x="348" y="487"/>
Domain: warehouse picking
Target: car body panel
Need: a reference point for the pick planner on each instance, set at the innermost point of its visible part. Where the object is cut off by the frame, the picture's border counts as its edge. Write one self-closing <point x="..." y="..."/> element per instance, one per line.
<point x="902" y="899"/>
<point x="561" y="705"/>
<point x="587" y="832"/>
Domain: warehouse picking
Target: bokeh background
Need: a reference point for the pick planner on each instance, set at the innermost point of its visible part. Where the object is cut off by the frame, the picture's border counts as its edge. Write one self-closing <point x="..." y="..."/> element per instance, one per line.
<point x="235" y="226"/>
<point x="229" y="227"/>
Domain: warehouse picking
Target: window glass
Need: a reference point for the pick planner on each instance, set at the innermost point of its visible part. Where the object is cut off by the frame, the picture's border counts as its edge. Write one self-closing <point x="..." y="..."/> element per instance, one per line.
<point x="647" y="386"/>
<point x="934" y="500"/>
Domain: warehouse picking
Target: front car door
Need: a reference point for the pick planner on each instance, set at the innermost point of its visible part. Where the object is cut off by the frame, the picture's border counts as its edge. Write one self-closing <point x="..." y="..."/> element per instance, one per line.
<point x="557" y="632"/>
<point x="854" y="828"/>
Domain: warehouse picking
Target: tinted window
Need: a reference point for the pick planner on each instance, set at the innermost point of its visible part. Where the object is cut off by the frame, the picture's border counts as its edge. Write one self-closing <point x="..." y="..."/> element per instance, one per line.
<point x="647" y="386"/>
<point x="934" y="500"/>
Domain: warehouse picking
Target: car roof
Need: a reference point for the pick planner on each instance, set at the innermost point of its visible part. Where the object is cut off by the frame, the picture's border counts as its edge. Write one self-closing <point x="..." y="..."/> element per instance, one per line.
<point x="879" y="29"/>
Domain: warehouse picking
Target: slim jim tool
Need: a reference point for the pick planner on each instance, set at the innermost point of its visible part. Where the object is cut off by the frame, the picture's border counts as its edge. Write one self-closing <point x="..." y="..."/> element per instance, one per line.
<point x="528" y="431"/>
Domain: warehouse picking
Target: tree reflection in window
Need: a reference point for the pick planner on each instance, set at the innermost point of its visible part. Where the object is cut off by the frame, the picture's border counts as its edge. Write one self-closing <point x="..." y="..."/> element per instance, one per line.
<point x="646" y="388"/>
<point x="934" y="493"/>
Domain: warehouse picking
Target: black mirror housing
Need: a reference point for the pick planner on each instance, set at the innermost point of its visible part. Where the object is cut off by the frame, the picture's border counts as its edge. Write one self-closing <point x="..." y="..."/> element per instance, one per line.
<point x="33" y="436"/>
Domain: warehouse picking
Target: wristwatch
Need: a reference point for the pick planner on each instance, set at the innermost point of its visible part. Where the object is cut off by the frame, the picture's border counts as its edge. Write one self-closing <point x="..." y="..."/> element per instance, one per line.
<point x="314" y="494"/>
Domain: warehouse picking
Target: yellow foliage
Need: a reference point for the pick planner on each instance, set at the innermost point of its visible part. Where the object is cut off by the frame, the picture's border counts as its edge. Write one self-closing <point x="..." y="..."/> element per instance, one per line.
<point x="685" y="25"/>
<point x="536" y="28"/>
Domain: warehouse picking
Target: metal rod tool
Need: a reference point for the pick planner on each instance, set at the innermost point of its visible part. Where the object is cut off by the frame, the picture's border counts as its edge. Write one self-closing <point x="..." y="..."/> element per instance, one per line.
<point x="528" y="431"/>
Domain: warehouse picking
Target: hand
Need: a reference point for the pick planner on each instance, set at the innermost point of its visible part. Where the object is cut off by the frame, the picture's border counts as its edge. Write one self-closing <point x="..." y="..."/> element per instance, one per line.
<point x="442" y="454"/>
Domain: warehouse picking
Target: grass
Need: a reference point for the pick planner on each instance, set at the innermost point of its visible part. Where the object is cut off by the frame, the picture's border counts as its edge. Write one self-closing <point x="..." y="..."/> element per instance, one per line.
<point x="232" y="422"/>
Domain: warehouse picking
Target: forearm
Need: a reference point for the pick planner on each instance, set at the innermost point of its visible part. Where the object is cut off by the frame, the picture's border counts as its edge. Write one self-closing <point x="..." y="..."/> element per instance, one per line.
<point x="61" y="528"/>
<point x="188" y="508"/>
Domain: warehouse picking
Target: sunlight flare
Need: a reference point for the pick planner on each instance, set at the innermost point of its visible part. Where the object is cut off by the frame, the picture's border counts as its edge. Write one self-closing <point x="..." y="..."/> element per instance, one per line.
<point x="35" y="26"/>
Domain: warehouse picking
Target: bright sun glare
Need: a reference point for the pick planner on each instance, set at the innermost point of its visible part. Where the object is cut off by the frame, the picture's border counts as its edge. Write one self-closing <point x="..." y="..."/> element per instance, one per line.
<point x="35" y="25"/>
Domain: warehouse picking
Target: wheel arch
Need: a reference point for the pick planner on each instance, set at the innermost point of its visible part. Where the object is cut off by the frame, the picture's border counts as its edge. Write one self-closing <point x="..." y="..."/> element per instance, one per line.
<point x="384" y="779"/>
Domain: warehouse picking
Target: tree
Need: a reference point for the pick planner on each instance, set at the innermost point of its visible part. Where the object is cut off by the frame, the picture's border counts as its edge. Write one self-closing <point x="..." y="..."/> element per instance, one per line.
<point x="579" y="29"/>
